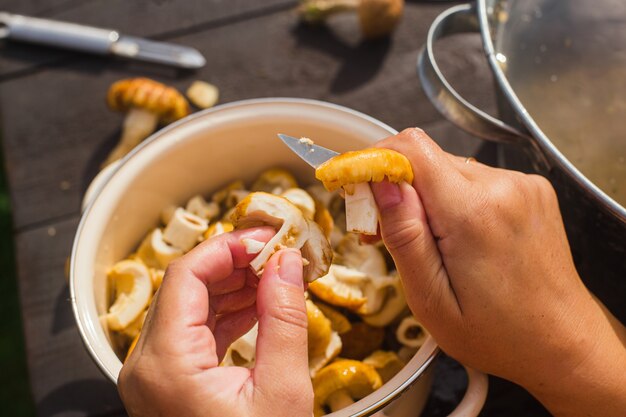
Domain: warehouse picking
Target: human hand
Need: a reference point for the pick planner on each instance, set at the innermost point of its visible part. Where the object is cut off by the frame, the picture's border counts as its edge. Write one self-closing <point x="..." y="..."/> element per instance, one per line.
<point x="487" y="268"/>
<point x="208" y="299"/>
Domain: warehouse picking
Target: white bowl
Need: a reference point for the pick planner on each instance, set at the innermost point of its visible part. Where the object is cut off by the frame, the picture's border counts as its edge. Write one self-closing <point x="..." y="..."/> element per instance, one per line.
<point x="197" y="155"/>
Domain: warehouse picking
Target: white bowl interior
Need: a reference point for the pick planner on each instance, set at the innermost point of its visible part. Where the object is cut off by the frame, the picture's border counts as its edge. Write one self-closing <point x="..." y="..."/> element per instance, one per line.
<point x="197" y="155"/>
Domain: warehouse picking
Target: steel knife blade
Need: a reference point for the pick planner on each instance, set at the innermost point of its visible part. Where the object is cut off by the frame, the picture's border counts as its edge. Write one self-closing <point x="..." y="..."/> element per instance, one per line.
<point x="312" y="154"/>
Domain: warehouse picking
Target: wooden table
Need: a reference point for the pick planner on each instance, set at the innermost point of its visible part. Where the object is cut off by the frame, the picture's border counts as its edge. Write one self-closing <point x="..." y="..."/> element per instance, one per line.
<point x="56" y="130"/>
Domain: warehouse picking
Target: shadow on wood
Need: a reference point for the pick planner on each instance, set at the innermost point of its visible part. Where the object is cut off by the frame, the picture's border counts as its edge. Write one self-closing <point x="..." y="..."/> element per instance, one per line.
<point x="78" y="397"/>
<point x="359" y="64"/>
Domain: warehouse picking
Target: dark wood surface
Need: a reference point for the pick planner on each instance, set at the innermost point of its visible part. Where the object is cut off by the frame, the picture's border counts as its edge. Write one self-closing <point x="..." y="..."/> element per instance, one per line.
<point x="56" y="130"/>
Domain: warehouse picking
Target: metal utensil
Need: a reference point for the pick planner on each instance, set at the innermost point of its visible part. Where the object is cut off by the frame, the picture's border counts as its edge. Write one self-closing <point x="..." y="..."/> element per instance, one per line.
<point x="96" y="40"/>
<point x="311" y="153"/>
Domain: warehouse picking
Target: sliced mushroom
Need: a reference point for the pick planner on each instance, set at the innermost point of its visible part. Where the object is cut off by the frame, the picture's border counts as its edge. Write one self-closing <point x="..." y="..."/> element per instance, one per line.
<point x="411" y="333"/>
<point x="198" y="206"/>
<point x="202" y="94"/>
<point x="352" y="171"/>
<point x="133" y="288"/>
<point x="339" y="384"/>
<point x="340" y="287"/>
<point x="366" y="258"/>
<point x="394" y="304"/>
<point x="157" y="278"/>
<point x="132" y="330"/>
<point x="156" y="252"/>
<point x="242" y="352"/>
<point x="302" y="200"/>
<point x="147" y="102"/>
<point x="292" y="231"/>
<point x="386" y="363"/>
<point x="275" y="181"/>
<point x="184" y="230"/>
<point x="221" y="195"/>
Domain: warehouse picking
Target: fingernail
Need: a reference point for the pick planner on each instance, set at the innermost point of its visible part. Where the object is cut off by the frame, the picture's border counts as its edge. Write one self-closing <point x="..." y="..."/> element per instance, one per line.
<point x="290" y="270"/>
<point x="386" y="194"/>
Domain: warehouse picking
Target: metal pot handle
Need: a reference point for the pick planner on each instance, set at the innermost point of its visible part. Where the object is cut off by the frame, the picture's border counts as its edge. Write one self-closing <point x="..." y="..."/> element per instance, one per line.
<point x="459" y="19"/>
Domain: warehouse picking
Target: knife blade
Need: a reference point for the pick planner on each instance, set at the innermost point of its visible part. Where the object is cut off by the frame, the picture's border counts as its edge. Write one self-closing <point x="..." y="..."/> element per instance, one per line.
<point x="311" y="153"/>
<point x="96" y="40"/>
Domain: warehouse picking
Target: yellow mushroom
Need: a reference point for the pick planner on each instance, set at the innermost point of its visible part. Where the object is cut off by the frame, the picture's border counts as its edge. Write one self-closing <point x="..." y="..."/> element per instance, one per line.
<point x="223" y="194"/>
<point x="275" y="181"/>
<point x="393" y="305"/>
<point x="302" y="200"/>
<point x="202" y="94"/>
<point x="353" y="171"/>
<point x="132" y="330"/>
<point x="292" y="231"/>
<point x="156" y="252"/>
<point x="339" y="384"/>
<point x="377" y="18"/>
<point x="242" y="352"/>
<point x="411" y="333"/>
<point x="133" y="287"/>
<point x="386" y="363"/>
<point x="147" y="102"/>
<point x="324" y="343"/>
<point x="338" y="321"/>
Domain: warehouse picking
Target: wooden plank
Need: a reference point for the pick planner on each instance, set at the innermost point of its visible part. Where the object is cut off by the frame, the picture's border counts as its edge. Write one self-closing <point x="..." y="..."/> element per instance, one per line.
<point x="50" y="162"/>
<point x="150" y="18"/>
<point x="64" y="379"/>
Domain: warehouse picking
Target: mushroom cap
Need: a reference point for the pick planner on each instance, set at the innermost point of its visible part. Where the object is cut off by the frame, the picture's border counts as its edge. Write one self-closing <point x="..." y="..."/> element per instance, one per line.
<point x="367" y="165"/>
<point x="394" y="305"/>
<point x="378" y="18"/>
<point x="302" y="200"/>
<point x="275" y="181"/>
<point x="338" y="321"/>
<point x="386" y="363"/>
<point x="318" y="252"/>
<point x="319" y="330"/>
<point x="357" y="378"/>
<point x="167" y="103"/>
<point x="340" y="287"/>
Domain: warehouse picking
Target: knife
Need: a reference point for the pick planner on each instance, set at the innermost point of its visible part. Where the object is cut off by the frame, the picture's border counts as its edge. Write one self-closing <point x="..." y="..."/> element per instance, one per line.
<point x="311" y="153"/>
<point x="96" y="40"/>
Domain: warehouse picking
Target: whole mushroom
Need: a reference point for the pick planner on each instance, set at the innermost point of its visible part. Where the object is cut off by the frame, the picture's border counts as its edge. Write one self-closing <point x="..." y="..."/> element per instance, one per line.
<point x="377" y="18"/>
<point x="352" y="171"/>
<point x="339" y="384"/>
<point x="146" y="103"/>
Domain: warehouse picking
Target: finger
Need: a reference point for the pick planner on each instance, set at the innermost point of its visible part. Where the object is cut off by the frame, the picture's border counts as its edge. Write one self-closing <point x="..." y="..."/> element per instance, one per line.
<point x="407" y="235"/>
<point x="231" y="327"/>
<point x="439" y="183"/>
<point x="236" y="281"/>
<point x="233" y="301"/>
<point x="281" y="351"/>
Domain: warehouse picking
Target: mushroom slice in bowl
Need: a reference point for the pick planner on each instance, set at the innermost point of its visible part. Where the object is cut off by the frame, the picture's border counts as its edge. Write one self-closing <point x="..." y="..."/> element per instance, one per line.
<point x="293" y="230"/>
<point x="133" y="286"/>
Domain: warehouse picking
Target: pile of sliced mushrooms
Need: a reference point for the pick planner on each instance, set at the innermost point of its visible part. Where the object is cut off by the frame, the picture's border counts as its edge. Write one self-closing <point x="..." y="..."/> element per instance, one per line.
<point x="360" y="331"/>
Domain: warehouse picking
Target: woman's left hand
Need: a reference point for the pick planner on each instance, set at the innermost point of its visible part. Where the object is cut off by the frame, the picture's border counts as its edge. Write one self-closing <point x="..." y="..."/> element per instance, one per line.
<point x="208" y="299"/>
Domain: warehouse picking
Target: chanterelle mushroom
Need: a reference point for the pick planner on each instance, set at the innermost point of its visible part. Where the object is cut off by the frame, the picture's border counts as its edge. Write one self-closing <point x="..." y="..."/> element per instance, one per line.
<point x="342" y="382"/>
<point x="133" y="286"/>
<point x="386" y="363"/>
<point x="147" y="102"/>
<point x="293" y="230"/>
<point x="353" y="171"/>
<point x="377" y="18"/>
<point x="324" y="343"/>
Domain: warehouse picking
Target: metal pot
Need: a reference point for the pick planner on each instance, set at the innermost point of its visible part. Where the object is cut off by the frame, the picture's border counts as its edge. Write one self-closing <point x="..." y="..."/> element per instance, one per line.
<point x="560" y="75"/>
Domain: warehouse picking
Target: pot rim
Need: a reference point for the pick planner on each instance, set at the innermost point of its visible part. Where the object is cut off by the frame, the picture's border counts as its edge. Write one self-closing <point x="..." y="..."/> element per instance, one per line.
<point x="540" y="138"/>
<point x="420" y="361"/>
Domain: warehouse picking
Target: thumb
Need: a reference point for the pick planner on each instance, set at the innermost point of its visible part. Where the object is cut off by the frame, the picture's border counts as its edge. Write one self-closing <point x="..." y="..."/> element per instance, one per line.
<point x="281" y="350"/>
<point x="407" y="236"/>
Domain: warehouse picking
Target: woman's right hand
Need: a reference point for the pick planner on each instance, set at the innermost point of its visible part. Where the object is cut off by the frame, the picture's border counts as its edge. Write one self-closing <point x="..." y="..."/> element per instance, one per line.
<point x="487" y="269"/>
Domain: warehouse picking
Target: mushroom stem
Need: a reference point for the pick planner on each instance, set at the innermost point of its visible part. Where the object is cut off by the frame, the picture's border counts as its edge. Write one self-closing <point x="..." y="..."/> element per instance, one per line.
<point x="361" y="209"/>
<point x="316" y="11"/>
<point x="339" y="400"/>
<point x="138" y="125"/>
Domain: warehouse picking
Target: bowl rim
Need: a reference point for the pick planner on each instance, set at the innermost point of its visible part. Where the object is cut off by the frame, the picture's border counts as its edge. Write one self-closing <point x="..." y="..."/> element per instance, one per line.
<point x="426" y="354"/>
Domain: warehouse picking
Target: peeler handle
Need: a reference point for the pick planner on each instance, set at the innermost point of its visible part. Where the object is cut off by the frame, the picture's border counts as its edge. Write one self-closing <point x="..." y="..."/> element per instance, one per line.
<point x="55" y="33"/>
